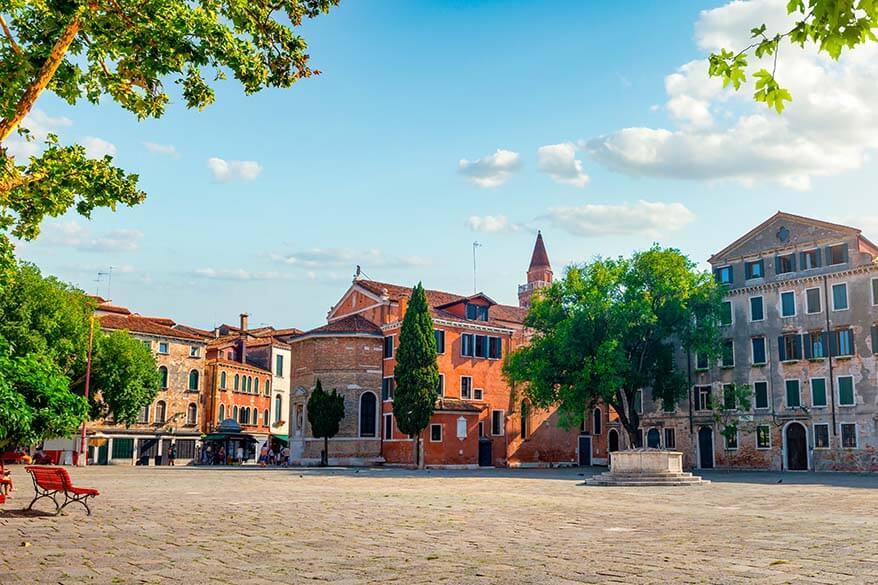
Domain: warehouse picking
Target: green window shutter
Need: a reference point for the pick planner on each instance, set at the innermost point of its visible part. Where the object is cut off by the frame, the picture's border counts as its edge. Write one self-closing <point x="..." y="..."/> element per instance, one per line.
<point x="777" y="264"/>
<point x="797" y="346"/>
<point x="761" y="391"/>
<point x="845" y="391"/>
<point x="818" y="392"/>
<point x="819" y="260"/>
<point x="806" y="345"/>
<point x="792" y="387"/>
<point x="875" y="337"/>
<point x="781" y="350"/>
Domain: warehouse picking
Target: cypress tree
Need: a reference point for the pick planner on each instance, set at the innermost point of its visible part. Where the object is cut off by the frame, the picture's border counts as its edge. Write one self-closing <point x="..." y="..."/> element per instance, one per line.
<point x="325" y="411"/>
<point x="416" y="371"/>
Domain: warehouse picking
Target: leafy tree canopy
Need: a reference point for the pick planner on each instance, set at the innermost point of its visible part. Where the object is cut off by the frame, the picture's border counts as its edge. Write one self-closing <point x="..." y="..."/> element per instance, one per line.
<point x="832" y="25"/>
<point x="128" y="51"/>
<point x="416" y="372"/>
<point x="124" y="377"/>
<point x="613" y="327"/>
<point x="325" y="413"/>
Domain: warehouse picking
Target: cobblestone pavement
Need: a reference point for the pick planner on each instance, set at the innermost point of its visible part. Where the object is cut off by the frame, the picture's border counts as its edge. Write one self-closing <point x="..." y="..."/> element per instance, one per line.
<point x="239" y="526"/>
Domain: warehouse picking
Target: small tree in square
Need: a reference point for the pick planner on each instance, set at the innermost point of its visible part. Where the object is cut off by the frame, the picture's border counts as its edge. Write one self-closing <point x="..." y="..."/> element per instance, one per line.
<point x="325" y="411"/>
<point x="416" y="372"/>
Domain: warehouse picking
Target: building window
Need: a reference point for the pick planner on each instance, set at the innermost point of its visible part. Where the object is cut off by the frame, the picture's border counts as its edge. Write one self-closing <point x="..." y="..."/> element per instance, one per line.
<point x="846" y="395"/>
<point x="760" y="392"/>
<point x="731" y="441"/>
<point x="596" y="421"/>
<point x="758" y="346"/>
<point x="729" y="401"/>
<point x="223" y="380"/>
<point x="237" y="381"/>
<point x="525" y="420"/>
<point x="812" y="301"/>
<point x="163" y="347"/>
<point x="267" y="386"/>
<point x="265" y="417"/>
<point x="815" y="345"/>
<point x="387" y="389"/>
<point x="193" y="380"/>
<point x="788" y="304"/>
<point x="144" y="414"/>
<point x="497" y="420"/>
<point x="724" y="275"/>
<point x="368" y="415"/>
<point x="728" y="355"/>
<point x="701" y="361"/>
<point x="702" y="398"/>
<point x="476" y="312"/>
<point x="726" y="315"/>
<point x="481" y="429"/>
<point x="757" y="309"/>
<point x="763" y="437"/>
<point x="163" y="375"/>
<point x="755" y="269"/>
<point x="495" y="348"/>
<point x="670" y="439"/>
<point x="441" y="389"/>
<point x="789" y="347"/>
<point x="235" y="413"/>
<point x="478" y="393"/>
<point x="279" y="365"/>
<point x="256" y="391"/>
<point x="810" y="259"/>
<point x="785" y="264"/>
<point x="874" y="291"/>
<point x="843" y="339"/>
<point x="848" y="435"/>
<point x="821" y="436"/>
<point x="191" y="414"/>
<point x="435" y="433"/>
<point x="466" y="387"/>
<point x="146" y="343"/>
<point x="388" y="347"/>
<point x="840" y="296"/>
<point x="160" y="411"/>
<point x="278" y="407"/>
<point x="638" y="401"/>
<point x="466" y="344"/>
<point x="222" y="413"/>
<point x="440" y="340"/>
<point x="461" y="427"/>
<point x="818" y="392"/>
<point x="388" y="426"/>
<point x="837" y="254"/>
<point x="794" y="398"/>
<point x="481" y="346"/>
<point x="194" y="351"/>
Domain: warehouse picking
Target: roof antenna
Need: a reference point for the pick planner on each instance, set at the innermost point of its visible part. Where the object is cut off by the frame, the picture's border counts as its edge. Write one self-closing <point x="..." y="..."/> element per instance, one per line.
<point x="109" y="275"/>
<point x="475" y="245"/>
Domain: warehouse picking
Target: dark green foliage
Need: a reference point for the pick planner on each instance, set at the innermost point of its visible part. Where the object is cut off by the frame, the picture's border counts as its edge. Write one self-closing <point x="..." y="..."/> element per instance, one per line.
<point x="124" y="377"/>
<point x="613" y="327"/>
<point x="416" y="371"/>
<point x="325" y="413"/>
<point x="832" y="25"/>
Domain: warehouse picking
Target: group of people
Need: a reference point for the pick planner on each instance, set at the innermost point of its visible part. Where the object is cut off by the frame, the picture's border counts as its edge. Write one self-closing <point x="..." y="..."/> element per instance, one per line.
<point x="269" y="456"/>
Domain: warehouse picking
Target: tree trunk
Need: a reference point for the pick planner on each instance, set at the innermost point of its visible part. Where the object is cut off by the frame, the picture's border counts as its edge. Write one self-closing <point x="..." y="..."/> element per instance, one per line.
<point x="47" y="71"/>
<point x="325" y="461"/>
<point x="416" y="451"/>
<point x="422" y="463"/>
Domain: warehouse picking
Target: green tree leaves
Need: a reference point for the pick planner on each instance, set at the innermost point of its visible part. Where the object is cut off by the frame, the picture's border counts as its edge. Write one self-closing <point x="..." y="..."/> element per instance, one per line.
<point x="834" y="26"/>
<point x="325" y="412"/>
<point x="124" y="378"/>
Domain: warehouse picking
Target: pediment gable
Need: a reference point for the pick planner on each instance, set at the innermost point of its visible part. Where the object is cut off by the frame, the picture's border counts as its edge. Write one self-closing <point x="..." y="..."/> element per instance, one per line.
<point x="780" y="231"/>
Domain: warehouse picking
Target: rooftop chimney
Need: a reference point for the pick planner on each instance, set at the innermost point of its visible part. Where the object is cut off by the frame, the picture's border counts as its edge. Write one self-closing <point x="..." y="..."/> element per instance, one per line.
<point x="243" y="337"/>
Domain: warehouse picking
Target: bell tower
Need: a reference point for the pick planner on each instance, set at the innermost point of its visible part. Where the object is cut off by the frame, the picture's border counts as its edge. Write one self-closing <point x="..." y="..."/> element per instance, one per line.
<point x="539" y="274"/>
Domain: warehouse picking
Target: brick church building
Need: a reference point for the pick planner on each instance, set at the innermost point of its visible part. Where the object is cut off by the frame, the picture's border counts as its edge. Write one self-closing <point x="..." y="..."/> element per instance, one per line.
<point x="479" y="419"/>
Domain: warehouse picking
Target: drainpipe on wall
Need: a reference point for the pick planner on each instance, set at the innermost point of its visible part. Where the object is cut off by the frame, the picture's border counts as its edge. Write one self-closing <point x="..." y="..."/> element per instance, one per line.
<point x="243" y="337"/>
<point x="828" y="351"/>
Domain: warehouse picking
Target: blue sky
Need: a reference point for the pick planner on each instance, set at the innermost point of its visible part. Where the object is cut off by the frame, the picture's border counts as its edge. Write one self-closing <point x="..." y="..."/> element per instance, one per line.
<point x="363" y="165"/>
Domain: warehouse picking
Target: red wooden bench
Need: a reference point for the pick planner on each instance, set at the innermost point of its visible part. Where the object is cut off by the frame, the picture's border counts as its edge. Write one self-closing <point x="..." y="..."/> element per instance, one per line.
<point x="50" y="481"/>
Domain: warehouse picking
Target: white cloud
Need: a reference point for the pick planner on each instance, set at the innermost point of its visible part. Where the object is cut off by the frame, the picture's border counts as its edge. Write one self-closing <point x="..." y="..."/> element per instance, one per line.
<point x="237" y="274"/>
<point x="228" y="170"/>
<point x="828" y="129"/>
<point x="559" y="162"/>
<point x="157" y="148"/>
<point x="339" y="257"/>
<point x="40" y="125"/>
<point x="644" y="217"/>
<point x="492" y="170"/>
<point x="72" y="234"/>
<point x="98" y="147"/>
<point x="491" y="224"/>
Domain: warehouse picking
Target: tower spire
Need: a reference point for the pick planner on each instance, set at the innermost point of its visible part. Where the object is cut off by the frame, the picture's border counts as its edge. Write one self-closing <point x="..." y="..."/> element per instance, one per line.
<point x="539" y="273"/>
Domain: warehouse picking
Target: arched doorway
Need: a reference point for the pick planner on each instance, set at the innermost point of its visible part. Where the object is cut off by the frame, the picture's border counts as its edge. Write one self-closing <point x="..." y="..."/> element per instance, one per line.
<point x="796" y="444"/>
<point x="368" y="415"/>
<point x="705" y="447"/>
<point x="653" y="439"/>
<point x="613" y="440"/>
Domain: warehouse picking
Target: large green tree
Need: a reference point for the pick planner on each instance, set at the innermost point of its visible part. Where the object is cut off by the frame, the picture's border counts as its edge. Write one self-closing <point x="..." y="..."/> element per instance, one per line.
<point x="128" y="51"/>
<point x="44" y="329"/>
<point x="416" y="372"/>
<point x="325" y="413"/>
<point x="831" y="25"/>
<point x="614" y="327"/>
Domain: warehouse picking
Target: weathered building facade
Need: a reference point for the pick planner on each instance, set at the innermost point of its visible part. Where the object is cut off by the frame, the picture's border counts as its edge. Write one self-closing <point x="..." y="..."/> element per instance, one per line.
<point x="800" y="329"/>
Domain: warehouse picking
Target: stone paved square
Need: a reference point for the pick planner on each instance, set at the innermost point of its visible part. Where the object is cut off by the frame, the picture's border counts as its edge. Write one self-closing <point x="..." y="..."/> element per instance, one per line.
<point x="187" y="525"/>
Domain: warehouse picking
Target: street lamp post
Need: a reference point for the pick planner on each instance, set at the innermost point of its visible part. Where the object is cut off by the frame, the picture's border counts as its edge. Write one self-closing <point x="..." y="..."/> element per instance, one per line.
<point x="82" y="460"/>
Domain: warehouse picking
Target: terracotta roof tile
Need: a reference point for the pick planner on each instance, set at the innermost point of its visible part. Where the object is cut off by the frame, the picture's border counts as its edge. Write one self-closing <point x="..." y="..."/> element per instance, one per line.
<point x="226" y="362"/>
<point x="349" y="324"/>
<point x="539" y="258"/>
<point x="457" y="405"/>
<point x="108" y="308"/>
<point x="138" y="324"/>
